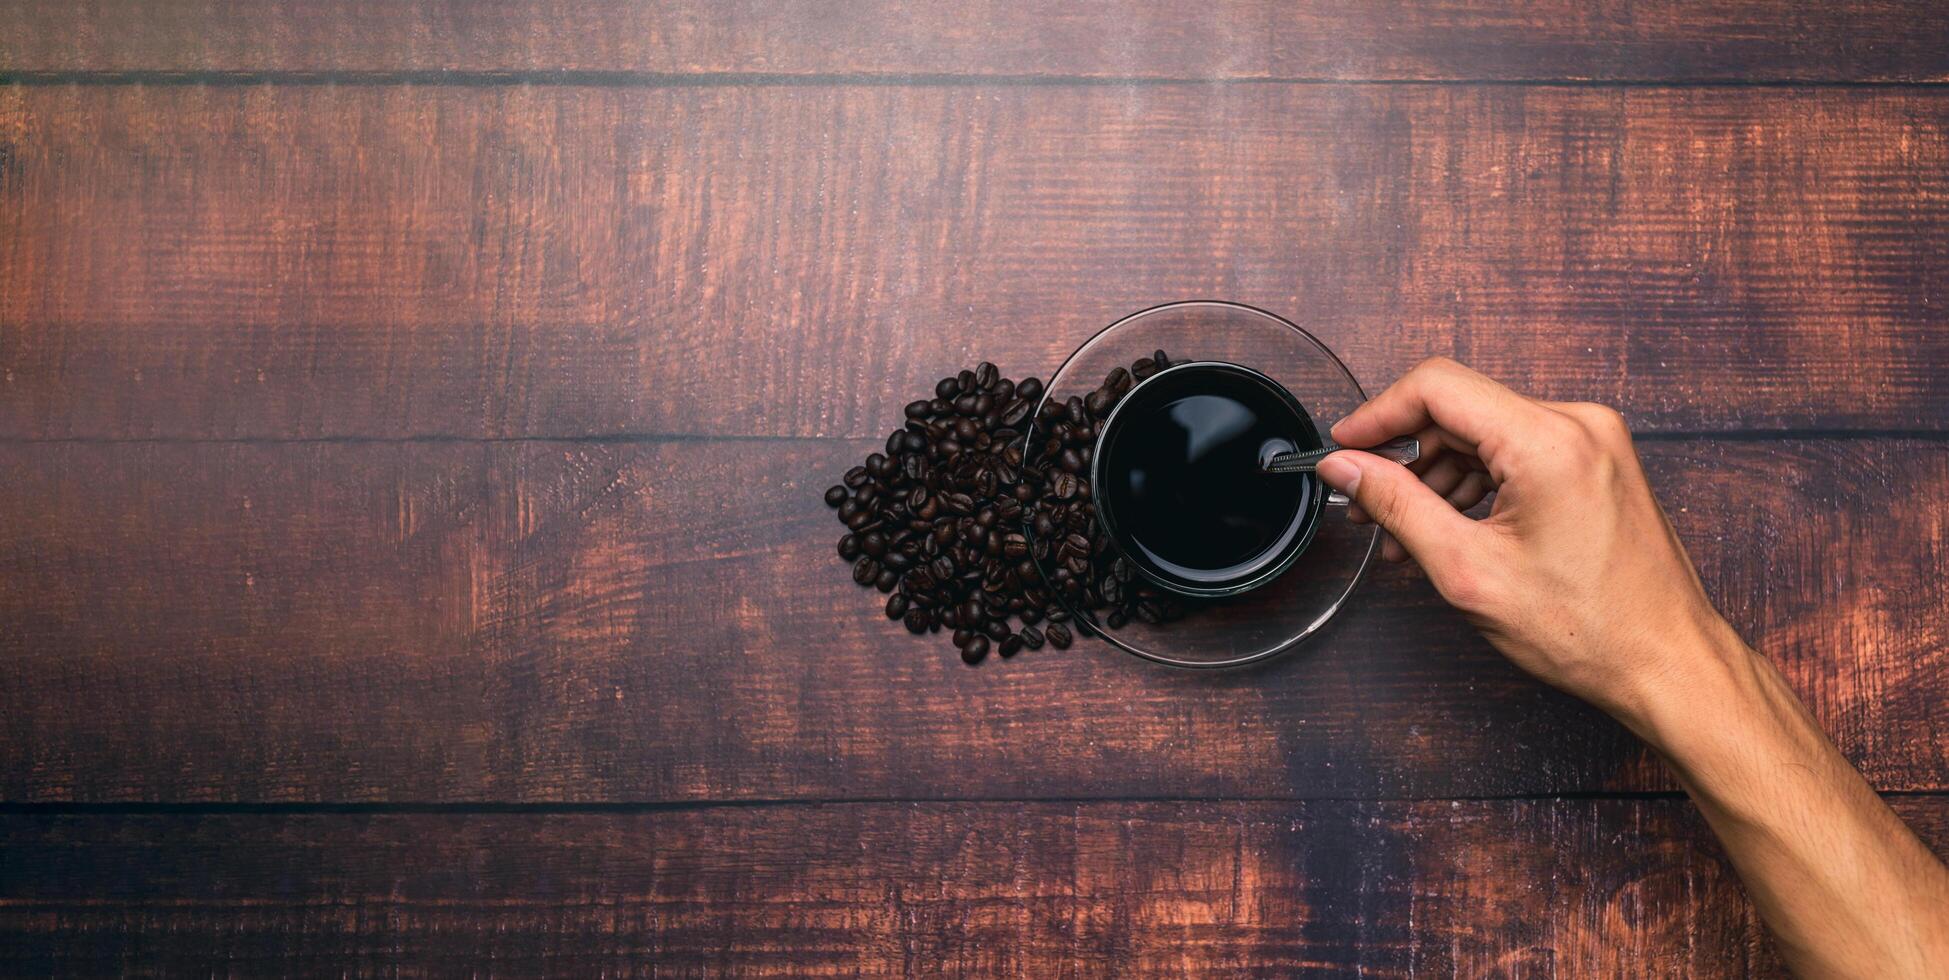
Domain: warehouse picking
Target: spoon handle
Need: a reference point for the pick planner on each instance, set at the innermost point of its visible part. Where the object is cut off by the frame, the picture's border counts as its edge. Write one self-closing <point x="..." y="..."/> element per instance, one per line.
<point x="1403" y="451"/>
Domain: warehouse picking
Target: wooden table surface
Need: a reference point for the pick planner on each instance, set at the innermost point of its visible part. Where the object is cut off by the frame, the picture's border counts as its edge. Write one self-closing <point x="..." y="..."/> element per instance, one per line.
<point x="413" y="419"/>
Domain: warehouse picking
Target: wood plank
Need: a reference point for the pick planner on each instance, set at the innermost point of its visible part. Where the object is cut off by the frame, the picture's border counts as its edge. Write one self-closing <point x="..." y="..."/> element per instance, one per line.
<point x="656" y="622"/>
<point x="1569" y="887"/>
<point x="331" y="261"/>
<point x="1227" y="39"/>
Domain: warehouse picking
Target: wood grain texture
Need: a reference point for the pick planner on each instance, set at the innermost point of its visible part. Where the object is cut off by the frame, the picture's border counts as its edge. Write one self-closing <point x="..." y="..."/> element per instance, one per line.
<point x="1498" y="888"/>
<point x="280" y="262"/>
<point x="1227" y="39"/>
<point x="662" y="622"/>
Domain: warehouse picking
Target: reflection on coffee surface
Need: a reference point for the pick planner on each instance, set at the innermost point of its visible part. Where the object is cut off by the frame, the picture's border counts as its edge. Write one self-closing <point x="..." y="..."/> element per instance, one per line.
<point x="1182" y="475"/>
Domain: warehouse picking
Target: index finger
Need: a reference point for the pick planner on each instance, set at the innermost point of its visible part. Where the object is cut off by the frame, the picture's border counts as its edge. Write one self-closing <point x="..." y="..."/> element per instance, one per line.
<point x="1469" y="406"/>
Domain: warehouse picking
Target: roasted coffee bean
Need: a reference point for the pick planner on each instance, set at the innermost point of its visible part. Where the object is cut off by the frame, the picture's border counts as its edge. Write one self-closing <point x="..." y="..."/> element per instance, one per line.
<point x="1144" y="368"/>
<point x="1111" y="589"/>
<point x="1158" y="358"/>
<point x="865" y="570"/>
<point x="975" y="649"/>
<point x="1059" y="636"/>
<point x="939" y="518"/>
<point x="1117" y="619"/>
<point x="1010" y="646"/>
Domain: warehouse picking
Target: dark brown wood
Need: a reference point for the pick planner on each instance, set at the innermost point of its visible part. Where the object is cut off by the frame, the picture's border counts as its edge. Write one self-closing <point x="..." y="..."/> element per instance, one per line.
<point x="1231" y="39"/>
<point x="398" y="261"/>
<point x="601" y="622"/>
<point x="1564" y="887"/>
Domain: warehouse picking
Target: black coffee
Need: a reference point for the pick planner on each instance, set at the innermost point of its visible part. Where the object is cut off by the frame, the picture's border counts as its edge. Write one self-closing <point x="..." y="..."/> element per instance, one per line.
<point x="1181" y="482"/>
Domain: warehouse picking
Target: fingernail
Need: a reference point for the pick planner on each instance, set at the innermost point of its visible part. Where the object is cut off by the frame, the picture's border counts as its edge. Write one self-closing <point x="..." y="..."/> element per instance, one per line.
<point x="1340" y="474"/>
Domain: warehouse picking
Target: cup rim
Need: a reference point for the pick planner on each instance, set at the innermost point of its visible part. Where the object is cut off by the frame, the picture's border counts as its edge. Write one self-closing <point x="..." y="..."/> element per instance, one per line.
<point x="1313" y="514"/>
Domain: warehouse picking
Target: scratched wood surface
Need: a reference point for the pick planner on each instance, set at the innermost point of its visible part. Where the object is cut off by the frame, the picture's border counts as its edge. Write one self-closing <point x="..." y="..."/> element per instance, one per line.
<point x="445" y="622"/>
<point x="400" y="261"/>
<point x="412" y="420"/>
<point x="1661" y="40"/>
<point x="1486" y="888"/>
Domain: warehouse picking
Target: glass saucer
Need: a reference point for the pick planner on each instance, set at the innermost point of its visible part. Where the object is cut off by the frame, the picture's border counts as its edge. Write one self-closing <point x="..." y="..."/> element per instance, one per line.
<point x="1277" y="616"/>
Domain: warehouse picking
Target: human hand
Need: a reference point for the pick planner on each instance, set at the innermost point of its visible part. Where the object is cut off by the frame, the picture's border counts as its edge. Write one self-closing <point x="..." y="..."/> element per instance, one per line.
<point x="1575" y="575"/>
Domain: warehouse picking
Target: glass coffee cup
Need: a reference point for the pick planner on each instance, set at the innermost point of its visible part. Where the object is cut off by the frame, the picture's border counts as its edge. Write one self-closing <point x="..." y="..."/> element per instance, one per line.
<point x="1285" y="573"/>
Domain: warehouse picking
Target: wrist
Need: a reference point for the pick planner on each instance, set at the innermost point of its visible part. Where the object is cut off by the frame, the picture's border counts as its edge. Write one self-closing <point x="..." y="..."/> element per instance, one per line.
<point x="1705" y="677"/>
<point x="1732" y="731"/>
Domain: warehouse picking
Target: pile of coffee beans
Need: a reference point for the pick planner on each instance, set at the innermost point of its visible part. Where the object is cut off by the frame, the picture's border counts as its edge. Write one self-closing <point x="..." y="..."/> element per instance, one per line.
<point x="951" y="521"/>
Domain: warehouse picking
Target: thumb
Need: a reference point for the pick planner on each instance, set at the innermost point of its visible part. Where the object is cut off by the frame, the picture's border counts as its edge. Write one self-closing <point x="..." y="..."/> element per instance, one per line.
<point x="1425" y="524"/>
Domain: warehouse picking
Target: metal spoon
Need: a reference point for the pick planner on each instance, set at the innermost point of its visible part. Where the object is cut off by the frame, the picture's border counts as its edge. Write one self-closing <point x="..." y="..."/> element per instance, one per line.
<point x="1403" y="451"/>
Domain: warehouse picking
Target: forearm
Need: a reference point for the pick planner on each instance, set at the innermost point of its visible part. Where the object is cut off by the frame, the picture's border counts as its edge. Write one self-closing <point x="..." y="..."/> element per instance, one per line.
<point x="1845" y="886"/>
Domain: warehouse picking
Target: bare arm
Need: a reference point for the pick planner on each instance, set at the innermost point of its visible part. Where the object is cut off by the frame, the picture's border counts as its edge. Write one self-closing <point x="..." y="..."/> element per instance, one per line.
<point x="1577" y="577"/>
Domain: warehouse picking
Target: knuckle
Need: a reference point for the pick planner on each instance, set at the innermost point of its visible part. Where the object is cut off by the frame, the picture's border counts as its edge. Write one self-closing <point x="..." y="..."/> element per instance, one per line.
<point x="1437" y="366"/>
<point x="1604" y="422"/>
<point x="1466" y="589"/>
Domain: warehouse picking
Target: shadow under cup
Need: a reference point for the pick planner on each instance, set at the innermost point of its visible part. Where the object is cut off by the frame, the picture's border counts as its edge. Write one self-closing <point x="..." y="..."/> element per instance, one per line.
<point x="1180" y="481"/>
